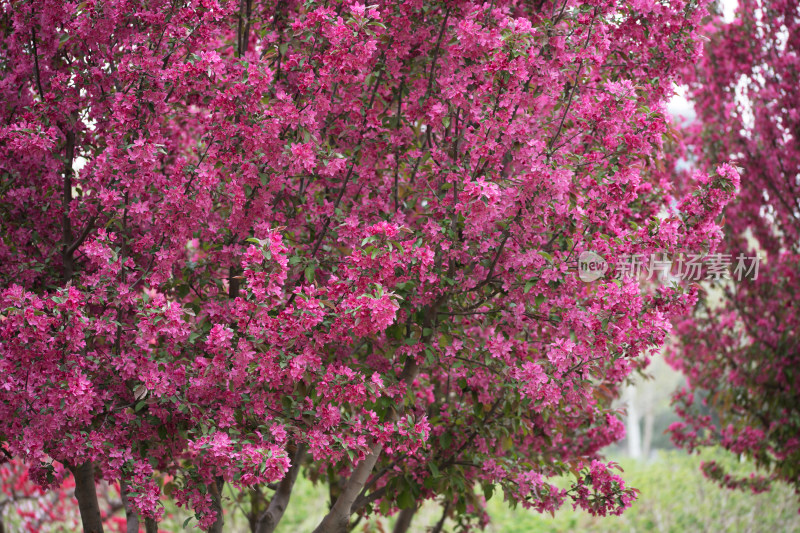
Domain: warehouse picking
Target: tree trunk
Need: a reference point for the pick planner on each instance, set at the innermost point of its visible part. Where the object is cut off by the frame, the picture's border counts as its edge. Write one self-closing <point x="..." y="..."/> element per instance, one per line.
<point x="216" y="504"/>
<point x="337" y="520"/>
<point x="280" y="500"/>
<point x="86" y="494"/>
<point x="85" y="489"/>
<point x="440" y="524"/>
<point x="257" y="505"/>
<point x="150" y="525"/>
<point x="67" y="250"/>
<point x="216" y="487"/>
<point x="130" y="515"/>
<point x="404" y="520"/>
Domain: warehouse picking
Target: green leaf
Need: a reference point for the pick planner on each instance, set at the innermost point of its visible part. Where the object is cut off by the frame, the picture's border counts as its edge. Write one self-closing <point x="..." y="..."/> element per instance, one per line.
<point x="405" y="500"/>
<point x="395" y="331"/>
<point x="430" y="357"/>
<point x="385" y="507"/>
<point x="529" y="285"/>
<point x="309" y="273"/>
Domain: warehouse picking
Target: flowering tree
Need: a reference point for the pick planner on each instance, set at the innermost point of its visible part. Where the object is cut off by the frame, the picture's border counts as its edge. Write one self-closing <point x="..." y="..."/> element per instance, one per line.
<point x="740" y="355"/>
<point x="243" y="239"/>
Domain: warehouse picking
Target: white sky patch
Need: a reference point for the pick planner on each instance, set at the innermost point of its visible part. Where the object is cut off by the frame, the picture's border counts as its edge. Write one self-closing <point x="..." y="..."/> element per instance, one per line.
<point x="748" y="119"/>
<point x="679" y="105"/>
<point x="728" y="8"/>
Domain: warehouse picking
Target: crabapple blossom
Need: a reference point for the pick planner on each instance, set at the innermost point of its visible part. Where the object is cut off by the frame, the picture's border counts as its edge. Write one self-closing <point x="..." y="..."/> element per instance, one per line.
<point x="246" y="241"/>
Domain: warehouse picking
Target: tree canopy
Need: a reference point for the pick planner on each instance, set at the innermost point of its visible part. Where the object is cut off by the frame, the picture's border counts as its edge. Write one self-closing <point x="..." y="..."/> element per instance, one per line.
<point x="245" y="241"/>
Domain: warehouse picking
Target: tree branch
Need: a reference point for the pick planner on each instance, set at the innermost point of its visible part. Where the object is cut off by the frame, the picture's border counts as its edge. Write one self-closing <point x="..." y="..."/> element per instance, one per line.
<point x="36" y="73"/>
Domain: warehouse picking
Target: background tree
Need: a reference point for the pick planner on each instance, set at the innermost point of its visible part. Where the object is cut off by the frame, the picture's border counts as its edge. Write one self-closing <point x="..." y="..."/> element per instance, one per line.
<point x="740" y="350"/>
<point x="335" y="237"/>
<point x="36" y="505"/>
